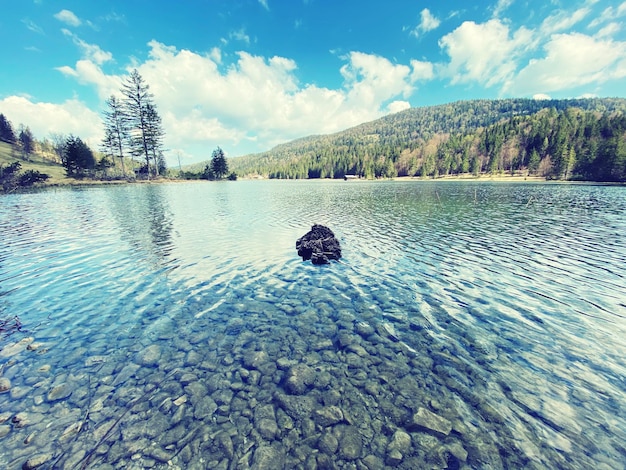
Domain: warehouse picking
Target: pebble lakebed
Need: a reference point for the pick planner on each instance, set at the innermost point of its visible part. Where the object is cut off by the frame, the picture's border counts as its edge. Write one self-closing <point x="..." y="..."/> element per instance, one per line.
<point x="273" y="383"/>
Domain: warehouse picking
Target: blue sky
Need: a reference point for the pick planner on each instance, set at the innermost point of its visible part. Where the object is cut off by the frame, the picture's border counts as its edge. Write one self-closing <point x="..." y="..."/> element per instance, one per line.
<point x="249" y="74"/>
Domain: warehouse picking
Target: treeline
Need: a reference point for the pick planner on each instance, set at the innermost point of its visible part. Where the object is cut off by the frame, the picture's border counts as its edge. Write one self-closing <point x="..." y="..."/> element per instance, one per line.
<point x="560" y="139"/>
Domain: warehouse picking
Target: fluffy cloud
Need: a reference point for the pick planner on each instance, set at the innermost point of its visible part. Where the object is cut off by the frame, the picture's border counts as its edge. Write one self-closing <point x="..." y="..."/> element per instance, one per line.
<point x="89" y="73"/>
<point x="554" y="57"/>
<point x="257" y="99"/>
<point x="422" y="70"/>
<point x="397" y="106"/>
<point x="570" y="61"/>
<point x="485" y="53"/>
<point x="372" y="80"/>
<point x="68" y="17"/>
<point x="70" y="117"/>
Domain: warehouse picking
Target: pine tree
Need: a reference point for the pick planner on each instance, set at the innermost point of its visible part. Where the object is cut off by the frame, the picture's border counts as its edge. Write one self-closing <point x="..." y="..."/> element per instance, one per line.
<point x="137" y="104"/>
<point x="154" y="137"/>
<point x="77" y="157"/>
<point x="116" y="132"/>
<point x="6" y="130"/>
<point x="26" y="140"/>
<point x="219" y="165"/>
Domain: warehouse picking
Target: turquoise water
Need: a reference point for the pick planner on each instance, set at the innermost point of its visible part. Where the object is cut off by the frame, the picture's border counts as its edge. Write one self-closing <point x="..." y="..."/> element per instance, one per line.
<point x="468" y="325"/>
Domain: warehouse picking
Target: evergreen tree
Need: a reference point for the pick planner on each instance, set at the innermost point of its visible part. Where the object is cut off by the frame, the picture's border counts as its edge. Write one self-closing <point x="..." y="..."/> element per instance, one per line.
<point x="26" y="140"/>
<point x="6" y="130"/>
<point x="77" y="157"/>
<point x="140" y="112"/>
<point x="116" y="132"/>
<point x="219" y="165"/>
<point x="154" y="137"/>
<point x="533" y="161"/>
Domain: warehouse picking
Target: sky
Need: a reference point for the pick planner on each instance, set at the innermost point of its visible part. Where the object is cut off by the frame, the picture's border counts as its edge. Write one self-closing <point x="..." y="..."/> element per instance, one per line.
<point x="247" y="75"/>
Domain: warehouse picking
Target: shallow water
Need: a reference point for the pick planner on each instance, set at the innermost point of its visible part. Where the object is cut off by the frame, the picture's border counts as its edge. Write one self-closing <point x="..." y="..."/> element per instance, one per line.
<point x="468" y="325"/>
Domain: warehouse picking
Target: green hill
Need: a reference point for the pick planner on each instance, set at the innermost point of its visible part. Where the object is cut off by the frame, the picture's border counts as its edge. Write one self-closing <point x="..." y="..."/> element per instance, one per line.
<point x="34" y="161"/>
<point x="553" y="138"/>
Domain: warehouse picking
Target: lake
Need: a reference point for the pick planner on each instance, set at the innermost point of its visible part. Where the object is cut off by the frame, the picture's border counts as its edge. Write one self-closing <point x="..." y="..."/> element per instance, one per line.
<point x="467" y="325"/>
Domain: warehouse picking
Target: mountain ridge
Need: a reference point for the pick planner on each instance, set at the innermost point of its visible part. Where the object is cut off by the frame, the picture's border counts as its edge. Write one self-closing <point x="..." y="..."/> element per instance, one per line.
<point x="401" y="143"/>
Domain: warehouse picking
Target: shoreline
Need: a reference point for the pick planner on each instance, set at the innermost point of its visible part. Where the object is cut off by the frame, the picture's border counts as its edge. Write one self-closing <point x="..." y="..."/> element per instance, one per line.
<point x="76" y="183"/>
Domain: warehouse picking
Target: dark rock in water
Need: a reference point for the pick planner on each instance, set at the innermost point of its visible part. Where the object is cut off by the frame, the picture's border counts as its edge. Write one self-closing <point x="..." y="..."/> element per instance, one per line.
<point x="319" y="245"/>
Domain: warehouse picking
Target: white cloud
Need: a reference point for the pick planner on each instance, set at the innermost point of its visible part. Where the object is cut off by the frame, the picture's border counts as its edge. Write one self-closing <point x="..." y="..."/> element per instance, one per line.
<point x="32" y="26"/>
<point x="240" y="35"/>
<point x="563" y="20"/>
<point x="68" y="17"/>
<point x="89" y="73"/>
<point x="428" y="22"/>
<point x="257" y="99"/>
<point x="609" y="14"/>
<point x="501" y="6"/>
<point x="485" y="53"/>
<point x="374" y="79"/>
<point x="91" y="52"/>
<point x="216" y="55"/>
<point x="609" y="30"/>
<point x="69" y="117"/>
<point x="421" y="70"/>
<point x="397" y="106"/>
<point x="541" y="96"/>
<point x="264" y="4"/>
<point x="570" y="61"/>
<point x="553" y="57"/>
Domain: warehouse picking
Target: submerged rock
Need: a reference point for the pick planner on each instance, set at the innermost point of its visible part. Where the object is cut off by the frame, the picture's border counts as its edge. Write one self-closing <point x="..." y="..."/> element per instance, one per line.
<point x="430" y="422"/>
<point x="268" y="457"/>
<point x="36" y="461"/>
<point x="59" y="392"/>
<point x="299" y="379"/>
<point x="350" y="443"/>
<point x="328" y="415"/>
<point x="149" y="356"/>
<point x="318" y="245"/>
<point x="5" y="385"/>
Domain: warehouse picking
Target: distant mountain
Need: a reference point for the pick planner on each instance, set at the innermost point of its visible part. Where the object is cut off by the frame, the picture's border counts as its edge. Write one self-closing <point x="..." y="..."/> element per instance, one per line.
<point x="561" y="139"/>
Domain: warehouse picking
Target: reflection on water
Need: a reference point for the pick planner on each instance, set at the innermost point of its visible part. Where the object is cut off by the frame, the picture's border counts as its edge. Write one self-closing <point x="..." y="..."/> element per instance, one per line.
<point x="468" y="325"/>
<point x="144" y="220"/>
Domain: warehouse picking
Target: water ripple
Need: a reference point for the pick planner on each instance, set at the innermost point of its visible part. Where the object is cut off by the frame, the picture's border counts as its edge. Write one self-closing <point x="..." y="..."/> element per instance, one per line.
<point x="514" y="293"/>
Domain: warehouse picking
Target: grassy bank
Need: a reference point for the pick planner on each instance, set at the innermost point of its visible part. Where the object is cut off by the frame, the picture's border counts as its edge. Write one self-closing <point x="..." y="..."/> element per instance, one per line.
<point x="55" y="171"/>
<point x="34" y="162"/>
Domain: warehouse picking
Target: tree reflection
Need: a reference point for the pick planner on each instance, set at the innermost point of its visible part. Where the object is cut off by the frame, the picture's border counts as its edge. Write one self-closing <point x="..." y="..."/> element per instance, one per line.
<point x="145" y="220"/>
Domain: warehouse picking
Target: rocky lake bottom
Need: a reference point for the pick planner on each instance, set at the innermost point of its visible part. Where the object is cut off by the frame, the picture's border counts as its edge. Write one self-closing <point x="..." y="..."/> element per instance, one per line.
<point x="345" y="366"/>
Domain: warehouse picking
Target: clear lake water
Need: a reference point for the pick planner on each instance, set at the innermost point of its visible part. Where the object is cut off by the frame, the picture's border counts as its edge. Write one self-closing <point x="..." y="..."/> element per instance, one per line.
<point x="468" y="325"/>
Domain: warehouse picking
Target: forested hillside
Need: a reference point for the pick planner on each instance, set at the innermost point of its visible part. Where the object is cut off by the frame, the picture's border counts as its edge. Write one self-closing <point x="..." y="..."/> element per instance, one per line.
<point x="559" y="139"/>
